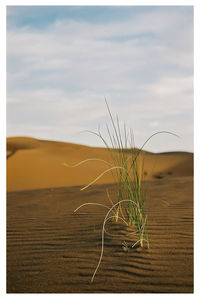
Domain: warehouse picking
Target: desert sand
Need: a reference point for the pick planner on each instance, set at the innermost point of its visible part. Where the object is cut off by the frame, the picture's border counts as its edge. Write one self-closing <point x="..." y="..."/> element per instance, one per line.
<point x="35" y="164"/>
<point x="50" y="249"/>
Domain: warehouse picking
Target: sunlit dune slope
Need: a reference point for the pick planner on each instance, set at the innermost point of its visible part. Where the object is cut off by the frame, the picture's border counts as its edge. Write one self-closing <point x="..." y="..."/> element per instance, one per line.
<point x="34" y="164"/>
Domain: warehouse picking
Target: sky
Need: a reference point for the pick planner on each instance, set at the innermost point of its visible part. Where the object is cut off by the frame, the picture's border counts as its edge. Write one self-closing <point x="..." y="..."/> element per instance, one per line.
<point x="63" y="61"/>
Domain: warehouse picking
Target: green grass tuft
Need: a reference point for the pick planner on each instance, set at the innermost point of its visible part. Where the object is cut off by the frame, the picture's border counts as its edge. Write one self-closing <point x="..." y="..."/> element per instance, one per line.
<point x="127" y="168"/>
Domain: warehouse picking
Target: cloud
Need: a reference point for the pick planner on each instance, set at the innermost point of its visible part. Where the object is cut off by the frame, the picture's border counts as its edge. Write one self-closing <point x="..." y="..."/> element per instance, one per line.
<point x="58" y="75"/>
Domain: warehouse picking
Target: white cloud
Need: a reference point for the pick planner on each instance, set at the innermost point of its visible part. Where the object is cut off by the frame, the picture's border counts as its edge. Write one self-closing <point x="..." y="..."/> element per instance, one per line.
<point x="173" y="86"/>
<point x="60" y="75"/>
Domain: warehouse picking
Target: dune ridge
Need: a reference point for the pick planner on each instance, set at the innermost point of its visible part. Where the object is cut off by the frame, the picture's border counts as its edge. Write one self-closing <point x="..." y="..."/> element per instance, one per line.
<point x="37" y="164"/>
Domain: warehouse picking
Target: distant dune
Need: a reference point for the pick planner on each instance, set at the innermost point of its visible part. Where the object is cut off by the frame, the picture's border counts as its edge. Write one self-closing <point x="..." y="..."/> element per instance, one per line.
<point x="35" y="164"/>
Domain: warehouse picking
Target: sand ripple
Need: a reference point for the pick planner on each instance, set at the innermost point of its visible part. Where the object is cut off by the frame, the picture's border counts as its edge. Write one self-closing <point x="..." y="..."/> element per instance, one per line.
<point x="50" y="249"/>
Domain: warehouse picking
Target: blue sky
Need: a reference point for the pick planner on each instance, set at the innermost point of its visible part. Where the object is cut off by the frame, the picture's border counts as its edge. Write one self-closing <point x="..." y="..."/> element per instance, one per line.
<point x="63" y="61"/>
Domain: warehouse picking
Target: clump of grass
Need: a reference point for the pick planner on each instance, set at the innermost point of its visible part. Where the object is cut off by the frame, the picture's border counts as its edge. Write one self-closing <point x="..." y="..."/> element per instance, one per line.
<point x="127" y="168"/>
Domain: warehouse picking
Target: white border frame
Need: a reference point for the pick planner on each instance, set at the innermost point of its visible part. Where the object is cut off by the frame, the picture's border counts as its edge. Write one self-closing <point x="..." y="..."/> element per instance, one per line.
<point x="196" y="5"/>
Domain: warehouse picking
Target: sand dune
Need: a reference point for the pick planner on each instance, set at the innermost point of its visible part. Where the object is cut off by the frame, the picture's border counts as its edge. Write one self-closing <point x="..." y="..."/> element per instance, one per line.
<point x="35" y="164"/>
<point x="52" y="250"/>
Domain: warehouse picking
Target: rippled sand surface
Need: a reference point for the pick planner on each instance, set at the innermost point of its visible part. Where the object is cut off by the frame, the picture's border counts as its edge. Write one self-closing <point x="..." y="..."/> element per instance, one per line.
<point x="52" y="250"/>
